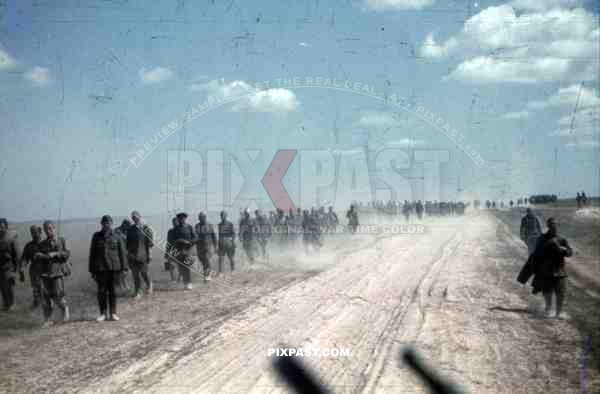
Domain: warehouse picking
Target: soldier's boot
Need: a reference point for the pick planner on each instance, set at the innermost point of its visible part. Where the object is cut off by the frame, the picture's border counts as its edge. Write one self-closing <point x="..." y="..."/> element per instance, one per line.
<point x="66" y="313"/>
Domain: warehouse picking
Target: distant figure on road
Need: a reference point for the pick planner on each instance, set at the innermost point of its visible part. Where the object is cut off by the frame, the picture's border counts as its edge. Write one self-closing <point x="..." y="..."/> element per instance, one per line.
<point x="530" y="230"/>
<point x="419" y="208"/>
<point x="184" y="238"/>
<point x="352" y="216"/>
<point x="170" y="262"/>
<point x="584" y="199"/>
<point x="511" y="203"/>
<point x="248" y="235"/>
<point x="206" y="238"/>
<point x="578" y="199"/>
<point x="139" y="244"/>
<point x="549" y="267"/>
<point x="123" y="281"/>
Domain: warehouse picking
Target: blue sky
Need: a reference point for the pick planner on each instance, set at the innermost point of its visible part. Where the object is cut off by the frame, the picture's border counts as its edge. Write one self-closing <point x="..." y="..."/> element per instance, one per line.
<point x="92" y="81"/>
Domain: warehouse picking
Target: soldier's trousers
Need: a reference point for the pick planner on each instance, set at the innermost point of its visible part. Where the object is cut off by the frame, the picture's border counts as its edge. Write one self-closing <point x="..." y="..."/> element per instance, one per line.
<point x="139" y="271"/>
<point x="226" y="248"/>
<point x="185" y="272"/>
<point x="53" y="291"/>
<point x="531" y="244"/>
<point x="249" y="248"/>
<point x="107" y="296"/>
<point x="204" y="258"/>
<point x="559" y="287"/>
<point x="7" y="288"/>
<point x="36" y="282"/>
<point x="263" y="246"/>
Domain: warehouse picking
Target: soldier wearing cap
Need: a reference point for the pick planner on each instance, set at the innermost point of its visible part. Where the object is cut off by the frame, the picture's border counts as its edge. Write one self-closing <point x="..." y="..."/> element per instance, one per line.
<point x="8" y="265"/>
<point x="108" y="258"/>
<point x="35" y="270"/>
<point x="206" y="238"/>
<point x="170" y="263"/>
<point x="226" y="241"/>
<point x="53" y="256"/>
<point x="140" y="240"/>
<point x="184" y="239"/>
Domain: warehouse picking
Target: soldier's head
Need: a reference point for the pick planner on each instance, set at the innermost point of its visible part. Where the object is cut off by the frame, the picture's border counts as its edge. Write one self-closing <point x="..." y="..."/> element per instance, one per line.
<point x="36" y="232"/>
<point x="202" y="217"/>
<point x="181" y="218"/>
<point x="136" y="216"/>
<point x="106" y="223"/>
<point x="552" y="226"/>
<point x="291" y="211"/>
<point x="174" y="221"/>
<point x="3" y="226"/>
<point x="528" y="212"/>
<point x="246" y="214"/>
<point x="257" y="212"/>
<point x="223" y="215"/>
<point x="49" y="229"/>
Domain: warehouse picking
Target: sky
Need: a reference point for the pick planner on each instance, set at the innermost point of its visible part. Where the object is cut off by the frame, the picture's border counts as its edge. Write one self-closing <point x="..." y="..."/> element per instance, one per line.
<point x="87" y="84"/>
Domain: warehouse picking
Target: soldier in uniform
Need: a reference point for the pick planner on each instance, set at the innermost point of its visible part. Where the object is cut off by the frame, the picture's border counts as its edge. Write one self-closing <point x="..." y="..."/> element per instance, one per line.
<point x="226" y="241"/>
<point x="352" y="216"/>
<point x="419" y="208"/>
<point x="123" y="280"/>
<point x="140" y="240"/>
<point x="53" y="256"/>
<point x="29" y="251"/>
<point x="170" y="263"/>
<point x="549" y="267"/>
<point x="205" y="237"/>
<point x="406" y="210"/>
<point x="263" y="231"/>
<point x="247" y="234"/>
<point x="108" y="259"/>
<point x="184" y="239"/>
<point x="9" y="262"/>
<point x="306" y="230"/>
<point x="530" y="230"/>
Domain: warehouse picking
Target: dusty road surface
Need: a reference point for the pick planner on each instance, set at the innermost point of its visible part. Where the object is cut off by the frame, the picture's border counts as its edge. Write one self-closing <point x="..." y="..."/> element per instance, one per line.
<point x="450" y="292"/>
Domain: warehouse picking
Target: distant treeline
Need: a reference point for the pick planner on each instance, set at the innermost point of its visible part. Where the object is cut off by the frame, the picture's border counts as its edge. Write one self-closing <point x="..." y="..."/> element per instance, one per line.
<point x="542" y="198"/>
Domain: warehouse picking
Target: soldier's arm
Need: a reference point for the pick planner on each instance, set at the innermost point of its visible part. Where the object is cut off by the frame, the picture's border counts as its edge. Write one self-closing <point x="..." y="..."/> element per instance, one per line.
<point x="194" y="235"/>
<point x="14" y="252"/>
<point x="522" y="231"/>
<point x="213" y="236"/>
<point x="566" y="248"/>
<point x="122" y="255"/>
<point x="149" y="237"/>
<point x="25" y="258"/>
<point x="92" y="254"/>
<point x="63" y="253"/>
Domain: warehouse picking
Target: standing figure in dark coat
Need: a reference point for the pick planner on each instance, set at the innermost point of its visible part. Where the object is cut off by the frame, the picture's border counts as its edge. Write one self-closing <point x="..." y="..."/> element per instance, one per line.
<point x="184" y="238"/>
<point x="123" y="281"/>
<point x="226" y="241"/>
<point x="53" y="256"/>
<point x="248" y="234"/>
<point x="549" y="267"/>
<point x="263" y="231"/>
<point x="170" y="261"/>
<point x="352" y="216"/>
<point x="140" y="240"/>
<point x="108" y="259"/>
<point x="35" y="270"/>
<point x="419" y="208"/>
<point x="530" y="230"/>
<point x="9" y="262"/>
<point x="206" y="238"/>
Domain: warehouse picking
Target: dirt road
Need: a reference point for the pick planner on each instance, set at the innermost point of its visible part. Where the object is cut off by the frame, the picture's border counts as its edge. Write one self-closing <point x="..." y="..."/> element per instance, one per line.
<point x="449" y="292"/>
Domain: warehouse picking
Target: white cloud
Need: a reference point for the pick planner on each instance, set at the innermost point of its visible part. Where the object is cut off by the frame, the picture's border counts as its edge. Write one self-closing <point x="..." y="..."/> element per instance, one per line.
<point x="583" y="144"/>
<point x="38" y="75"/>
<point x="304" y="44"/>
<point x="6" y="61"/>
<point x="567" y="97"/>
<point x="541" y="5"/>
<point x="155" y="75"/>
<point x="399" y="4"/>
<point x="260" y="100"/>
<point x="499" y="45"/>
<point x="515" y="115"/>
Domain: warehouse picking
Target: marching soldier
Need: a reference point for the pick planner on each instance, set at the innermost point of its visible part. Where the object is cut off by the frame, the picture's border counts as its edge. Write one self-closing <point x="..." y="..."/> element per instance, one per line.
<point x="53" y="256"/>
<point x="35" y="269"/>
<point x="8" y="265"/>
<point x="549" y="262"/>
<point x="140" y="240"/>
<point x="530" y="230"/>
<point x="123" y="280"/>
<point x="264" y="231"/>
<point x="206" y="237"/>
<point x="170" y="263"/>
<point x="247" y="235"/>
<point x="108" y="259"/>
<point x="352" y="216"/>
<point x="226" y="241"/>
<point x="184" y="238"/>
